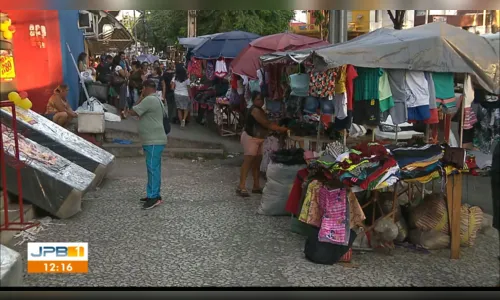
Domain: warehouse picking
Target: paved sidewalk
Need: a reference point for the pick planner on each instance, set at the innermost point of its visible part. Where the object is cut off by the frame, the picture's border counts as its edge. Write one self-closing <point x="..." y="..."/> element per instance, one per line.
<point x="203" y="235"/>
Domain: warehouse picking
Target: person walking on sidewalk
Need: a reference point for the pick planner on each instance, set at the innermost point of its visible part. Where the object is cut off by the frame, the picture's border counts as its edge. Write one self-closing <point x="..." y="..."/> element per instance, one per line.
<point x="150" y="110"/>
<point x="180" y="84"/>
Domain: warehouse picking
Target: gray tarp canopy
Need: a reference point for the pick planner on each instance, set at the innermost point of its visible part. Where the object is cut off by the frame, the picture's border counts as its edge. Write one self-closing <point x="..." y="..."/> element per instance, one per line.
<point x="435" y="47"/>
<point x="195" y="41"/>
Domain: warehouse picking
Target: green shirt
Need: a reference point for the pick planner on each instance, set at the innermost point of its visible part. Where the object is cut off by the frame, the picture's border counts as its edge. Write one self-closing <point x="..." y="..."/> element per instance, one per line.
<point x="150" y="111"/>
<point x="444" y="85"/>
<point x="366" y="84"/>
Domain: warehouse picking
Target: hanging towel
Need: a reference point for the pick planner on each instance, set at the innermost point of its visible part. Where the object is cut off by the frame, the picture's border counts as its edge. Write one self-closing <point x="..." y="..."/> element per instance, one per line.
<point x="220" y="68"/>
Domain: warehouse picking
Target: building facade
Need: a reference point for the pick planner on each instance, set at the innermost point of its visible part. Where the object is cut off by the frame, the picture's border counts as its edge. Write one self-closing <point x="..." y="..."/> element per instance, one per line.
<point x="359" y="22"/>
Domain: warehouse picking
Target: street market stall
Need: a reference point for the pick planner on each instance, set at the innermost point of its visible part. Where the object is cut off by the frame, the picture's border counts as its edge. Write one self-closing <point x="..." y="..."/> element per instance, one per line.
<point x="210" y="72"/>
<point x="395" y="73"/>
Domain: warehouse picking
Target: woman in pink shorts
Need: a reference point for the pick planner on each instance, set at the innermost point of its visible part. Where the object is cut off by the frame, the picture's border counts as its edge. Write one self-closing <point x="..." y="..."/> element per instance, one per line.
<point x="257" y="127"/>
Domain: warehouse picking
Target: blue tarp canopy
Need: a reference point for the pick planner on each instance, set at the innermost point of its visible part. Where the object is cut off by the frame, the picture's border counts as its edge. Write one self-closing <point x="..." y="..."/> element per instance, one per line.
<point x="227" y="45"/>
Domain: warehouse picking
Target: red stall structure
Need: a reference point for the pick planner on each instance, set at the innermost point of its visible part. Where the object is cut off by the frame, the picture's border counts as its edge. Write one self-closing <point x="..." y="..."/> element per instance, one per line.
<point x="30" y="54"/>
<point x="16" y="163"/>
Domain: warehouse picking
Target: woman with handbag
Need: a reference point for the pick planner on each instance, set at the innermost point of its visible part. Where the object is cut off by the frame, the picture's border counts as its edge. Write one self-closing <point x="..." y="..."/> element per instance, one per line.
<point x="119" y="86"/>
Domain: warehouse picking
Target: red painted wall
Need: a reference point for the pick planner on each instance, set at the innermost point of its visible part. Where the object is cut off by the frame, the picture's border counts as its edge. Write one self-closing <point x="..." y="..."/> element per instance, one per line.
<point x="38" y="70"/>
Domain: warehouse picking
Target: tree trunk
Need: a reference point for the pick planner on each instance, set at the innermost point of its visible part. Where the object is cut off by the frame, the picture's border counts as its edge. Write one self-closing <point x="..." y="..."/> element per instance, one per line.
<point x="398" y="19"/>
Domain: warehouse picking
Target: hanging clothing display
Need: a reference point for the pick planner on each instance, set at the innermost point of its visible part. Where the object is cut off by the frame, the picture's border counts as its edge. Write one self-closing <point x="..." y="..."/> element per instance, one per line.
<point x="366" y="84"/>
<point x="399" y="89"/>
<point x="351" y="75"/>
<point x="335" y="225"/>
<point x="340" y="106"/>
<point x="311" y="212"/>
<point x="385" y="93"/>
<point x="444" y="85"/>
<point x="433" y="110"/>
<point x="299" y="83"/>
<point x="195" y="67"/>
<point x="322" y="84"/>
<point x="418" y="98"/>
<point x="340" y="80"/>
<point x="276" y="91"/>
<point x="220" y="68"/>
<point x="210" y="72"/>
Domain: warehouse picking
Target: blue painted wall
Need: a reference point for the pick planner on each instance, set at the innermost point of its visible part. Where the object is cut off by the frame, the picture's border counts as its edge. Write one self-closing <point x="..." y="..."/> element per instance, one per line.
<point x="69" y="32"/>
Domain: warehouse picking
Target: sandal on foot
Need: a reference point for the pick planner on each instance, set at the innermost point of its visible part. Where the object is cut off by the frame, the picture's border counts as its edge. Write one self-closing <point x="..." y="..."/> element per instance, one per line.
<point x="257" y="191"/>
<point x="242" y="192"/>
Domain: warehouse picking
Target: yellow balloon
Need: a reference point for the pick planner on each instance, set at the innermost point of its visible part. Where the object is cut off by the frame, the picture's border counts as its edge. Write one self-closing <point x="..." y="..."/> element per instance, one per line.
<point x="24" y="103"/>
<point x="8" y="35"/>
<point x="13" y="96"/>
<point x="4" y="26"/>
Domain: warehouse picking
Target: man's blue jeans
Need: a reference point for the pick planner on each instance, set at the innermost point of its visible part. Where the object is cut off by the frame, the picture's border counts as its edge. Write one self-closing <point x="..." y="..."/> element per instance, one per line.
<point x="153" y="155"/>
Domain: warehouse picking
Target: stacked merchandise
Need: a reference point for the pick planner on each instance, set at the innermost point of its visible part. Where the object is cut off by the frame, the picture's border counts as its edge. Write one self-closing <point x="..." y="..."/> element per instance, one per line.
<point x="367" y="166"/>
<point x="419" y="163"/>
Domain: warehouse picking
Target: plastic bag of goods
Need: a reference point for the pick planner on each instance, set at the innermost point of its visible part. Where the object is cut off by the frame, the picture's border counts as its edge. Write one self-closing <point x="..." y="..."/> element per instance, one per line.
<point x="471" y="220"/>
<point x="431" y="214"/>
<point x="386" y="204"/>
<point x="280" y="180"/>
<point x="430" y="240"/>
<point x="384" y="232"/>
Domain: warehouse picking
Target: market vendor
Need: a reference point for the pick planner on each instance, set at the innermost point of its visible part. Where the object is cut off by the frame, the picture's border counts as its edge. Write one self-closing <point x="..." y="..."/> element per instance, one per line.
<point x="58" y="109"/>
<point x="257" y="127"/>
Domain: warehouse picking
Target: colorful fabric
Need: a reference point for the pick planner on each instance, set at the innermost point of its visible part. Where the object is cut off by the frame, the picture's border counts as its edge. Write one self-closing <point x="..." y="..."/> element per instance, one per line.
<point x="469" y="118"/>
<point x="357" y="215"/>
<point x="351" y="75"/>
<point x="335" y="217"/>
<point x="294" y="198"/>
<point x="195" y="68"/>
<point x="366" y="84"/>
<point x="312" y="196"/>
<point x="220" y="68"/>
<point x="322" y="84"/>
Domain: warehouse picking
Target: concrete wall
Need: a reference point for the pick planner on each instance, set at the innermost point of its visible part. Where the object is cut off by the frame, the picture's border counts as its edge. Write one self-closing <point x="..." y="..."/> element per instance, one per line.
<point x="69" y="32"/>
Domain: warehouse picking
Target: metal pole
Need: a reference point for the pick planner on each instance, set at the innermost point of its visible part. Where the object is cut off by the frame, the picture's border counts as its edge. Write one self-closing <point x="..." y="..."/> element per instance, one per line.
<point x="426" y="16"/>
<point x="332" y="28"/>
<point x="135" y="34"/>
<point x="342" y="21"/>
<point x="484" y="21"/>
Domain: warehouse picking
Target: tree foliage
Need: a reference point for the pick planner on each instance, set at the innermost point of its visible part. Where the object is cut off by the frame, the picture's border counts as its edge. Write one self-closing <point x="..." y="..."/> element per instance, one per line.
<point x="162" y="27"/>
<point x="398" y="18"/>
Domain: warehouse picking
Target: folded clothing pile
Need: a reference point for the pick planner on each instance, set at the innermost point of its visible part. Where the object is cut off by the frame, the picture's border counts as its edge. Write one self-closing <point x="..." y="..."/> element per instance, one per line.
<point x="368" y="166"/>
<point x="421" y="163"/>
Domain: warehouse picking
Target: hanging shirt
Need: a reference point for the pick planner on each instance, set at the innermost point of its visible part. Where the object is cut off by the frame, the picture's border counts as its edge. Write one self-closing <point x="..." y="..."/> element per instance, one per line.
<point x="468" y="91"/>
<point x="195" y="68"/>
<point x="444" y="85"/>
<point x="340" y="81"/>
<point x="299" y="83"/>
<point x="366" y="84"/>
<point x="351" y="74"/>
<point x="385" y="94"/>
<point x="210" y="72"/>
<point x="220" y="68"/>
<point x="419" y="89"/>
<point x="322" y="84"/>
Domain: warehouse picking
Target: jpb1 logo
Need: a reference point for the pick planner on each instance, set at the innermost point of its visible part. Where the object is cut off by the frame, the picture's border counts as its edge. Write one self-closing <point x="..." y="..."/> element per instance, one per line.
<point x="59" y="251"/>
<point x="58" y="257"/>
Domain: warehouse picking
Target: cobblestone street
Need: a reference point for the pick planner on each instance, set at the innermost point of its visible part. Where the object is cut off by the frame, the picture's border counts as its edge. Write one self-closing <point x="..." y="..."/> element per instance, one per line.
<point x="203" y="235"/>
